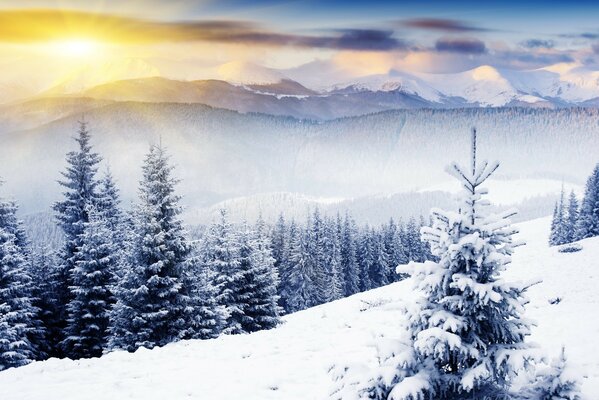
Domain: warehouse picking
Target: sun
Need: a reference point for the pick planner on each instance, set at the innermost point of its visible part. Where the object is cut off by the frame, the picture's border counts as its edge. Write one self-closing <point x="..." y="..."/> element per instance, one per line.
<point x="77" y="48"/>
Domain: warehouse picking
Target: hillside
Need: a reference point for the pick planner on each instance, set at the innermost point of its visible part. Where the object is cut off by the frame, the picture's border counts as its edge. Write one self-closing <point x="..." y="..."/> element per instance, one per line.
<point x="291" y="362"/>
<point x="222" y="154"/>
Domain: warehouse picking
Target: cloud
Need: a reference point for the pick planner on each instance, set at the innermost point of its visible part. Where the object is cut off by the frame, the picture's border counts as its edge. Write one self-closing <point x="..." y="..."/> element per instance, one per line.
<point x="347" y="39"/>
<point x="583" y="35"/>
<point x="22" y="26"/>
<point x="595" y="48"/>
<point x="538" y="44"/>
<point x="438" y="24"/>
<point x="461" y="45"/>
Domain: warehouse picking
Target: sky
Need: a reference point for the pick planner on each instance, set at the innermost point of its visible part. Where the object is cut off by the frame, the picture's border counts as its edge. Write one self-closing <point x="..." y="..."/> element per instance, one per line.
<point x="44" y="43"/>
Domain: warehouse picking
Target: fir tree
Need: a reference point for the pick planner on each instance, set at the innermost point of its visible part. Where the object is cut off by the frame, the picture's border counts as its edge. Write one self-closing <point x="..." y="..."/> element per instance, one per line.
<point x="379" y="270"/>
<point x="72" y="215"/>
<point x="18" y="324"/>
<point x="153" y="304"/>
<point x="208" y="317"/>
<point x="365" y="260"/>
<point x="43" y="262"/>
<point x="571" y="220"/>
<point x="298" y="285"/>
<point x="559" y="234"/>
<point x="260" y="303"/>
<point x="223" y="258"/>
<point x="92" y="281"/>
<point x="349" y="264"/>
<point x="588" y="220"/>
<point x="467" y="339"/>
<point x="315" y="248"/>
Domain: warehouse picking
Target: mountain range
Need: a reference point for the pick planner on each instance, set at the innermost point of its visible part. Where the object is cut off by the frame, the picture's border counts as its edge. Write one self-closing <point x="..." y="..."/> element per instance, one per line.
<point x="247" y="87"/>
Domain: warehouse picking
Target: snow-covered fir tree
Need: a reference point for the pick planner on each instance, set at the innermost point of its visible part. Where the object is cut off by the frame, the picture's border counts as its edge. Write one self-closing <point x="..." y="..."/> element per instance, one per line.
<point x="43" y="262"/>
<point x="153" y="304"/>
<point x="297" y="287"/>
<point x="260" y="305"/>
<point x="208" y="316"/>
<point x="559" y="232"/>
<point x="222" y="252"/>
<point x="366" y="257"/>
<point x="18" y="316"/>
<point x="588" y="220"/>
<point x="571" y="220"/>
<point x="379" y="270"/>
<point x="554" y="382"/>
<point x="91" y="288"/>
<point x="349" y="264"/>
<point x="79" y="182"/>
<point x="467" y="338"/>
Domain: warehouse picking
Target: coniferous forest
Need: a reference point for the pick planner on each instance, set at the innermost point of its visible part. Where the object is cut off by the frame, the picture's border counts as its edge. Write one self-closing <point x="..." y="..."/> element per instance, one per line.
<point x="125" y="279"/>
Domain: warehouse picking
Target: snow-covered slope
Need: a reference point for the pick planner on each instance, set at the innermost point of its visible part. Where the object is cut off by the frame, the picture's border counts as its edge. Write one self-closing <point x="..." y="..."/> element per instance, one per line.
<point x="291" y="362"/>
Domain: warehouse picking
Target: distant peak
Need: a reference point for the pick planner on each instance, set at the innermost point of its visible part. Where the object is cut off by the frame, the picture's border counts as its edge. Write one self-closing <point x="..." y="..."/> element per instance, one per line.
<point x="249" y="73"/>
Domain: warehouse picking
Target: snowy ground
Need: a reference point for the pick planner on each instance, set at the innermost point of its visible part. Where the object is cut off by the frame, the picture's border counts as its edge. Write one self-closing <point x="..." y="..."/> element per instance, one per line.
<point x="291" y="362"/>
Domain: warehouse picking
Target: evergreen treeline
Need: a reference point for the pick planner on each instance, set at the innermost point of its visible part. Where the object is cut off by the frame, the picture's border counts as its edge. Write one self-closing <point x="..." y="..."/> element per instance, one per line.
<point x="573" y="221"/>
<point x="124" y="280"/>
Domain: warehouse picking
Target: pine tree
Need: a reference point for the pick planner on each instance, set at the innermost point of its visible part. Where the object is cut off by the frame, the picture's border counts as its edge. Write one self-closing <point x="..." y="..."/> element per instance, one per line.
<point x="224" y="259"/>
<point x="571" y="220"/>
<point x="43" y="262"/>
<point x="555" y="382"/>
<point x="558" y="234"/>
<point x="349" y="264"/>
<point x="72" y="215"/>
<point x="315" y="248"/>
<point x="153" y="304"/>
<point x="588" y="220"/>
<point x="334" y="280"/>
<point x="208" y="317"/>
<point x="366" y="259"/>
<point x="261" y="310"/>
<point x="279" y="244"/>
<point x="467" y="339"/>
<point x="92" y="281"/>
<point x="18" y="324"/>
<point x="379" y="270"/>
<point x="297" y="286"/>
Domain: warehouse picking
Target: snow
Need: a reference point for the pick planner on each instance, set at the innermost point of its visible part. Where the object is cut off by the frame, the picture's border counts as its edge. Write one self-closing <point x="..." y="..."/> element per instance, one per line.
<point x="513" y="191"/>
<point x="293" y="360"/>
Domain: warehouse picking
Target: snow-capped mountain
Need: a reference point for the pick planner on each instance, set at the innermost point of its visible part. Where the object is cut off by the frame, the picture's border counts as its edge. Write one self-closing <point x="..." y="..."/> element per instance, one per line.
<point x="248" y="87"/>
<point x="293" y="360"/>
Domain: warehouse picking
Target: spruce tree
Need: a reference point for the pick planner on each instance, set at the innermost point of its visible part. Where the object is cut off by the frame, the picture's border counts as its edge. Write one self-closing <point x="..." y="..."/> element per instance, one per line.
<point x="571" y="220"/>
<point x="558" y="235"/>
<point x="349" y="264"/>
<point x="379" y="270"/>
<point x="223" y="258"/>
<point x="92" y="297"/>
<point x="260" y="307"/>
<point x="588" y="220"/>
<point x="43" y="263"/>
<point x="297" y="285"/>
<point x="18" y="316"/>
<point x="208" y="317"/>
<point x="366" y="259"/>
<point x="72" y="213"/>
<point x="153" y="305"/>
<point x="467" y="338"/>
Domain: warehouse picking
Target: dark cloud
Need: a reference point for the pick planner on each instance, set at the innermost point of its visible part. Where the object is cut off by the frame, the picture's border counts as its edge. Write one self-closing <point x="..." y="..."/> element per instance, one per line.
<point x="461" y="45"/>
<point x="538" y="44"/>
<point x="349" y="39"/>
<point x="584" y="35"/>
<point x="437" y="24"/>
